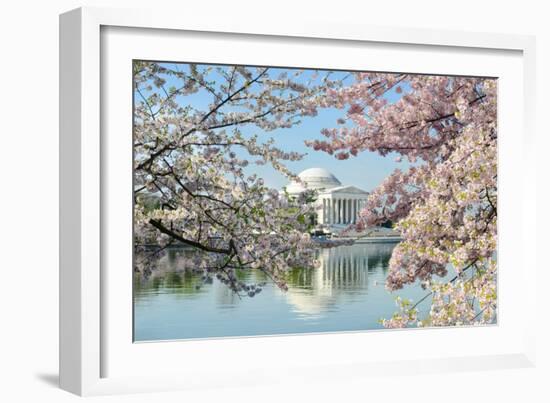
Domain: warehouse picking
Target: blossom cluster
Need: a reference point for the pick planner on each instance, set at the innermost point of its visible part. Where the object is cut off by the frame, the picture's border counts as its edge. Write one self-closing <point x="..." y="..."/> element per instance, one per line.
<point x="192" y="157"/>
<point x="445" y="203"/>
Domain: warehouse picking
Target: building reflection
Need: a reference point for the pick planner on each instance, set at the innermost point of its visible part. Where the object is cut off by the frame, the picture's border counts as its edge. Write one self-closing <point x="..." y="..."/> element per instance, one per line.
<point x="343" y="274"/>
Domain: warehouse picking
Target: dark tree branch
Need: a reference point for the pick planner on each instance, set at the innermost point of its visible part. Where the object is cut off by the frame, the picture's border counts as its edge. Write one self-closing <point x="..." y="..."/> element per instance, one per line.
<point x="158" y="225"/>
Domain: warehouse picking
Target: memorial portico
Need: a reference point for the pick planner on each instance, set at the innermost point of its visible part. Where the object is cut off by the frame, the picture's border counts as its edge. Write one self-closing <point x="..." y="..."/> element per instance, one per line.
<point x="337" y="204"/>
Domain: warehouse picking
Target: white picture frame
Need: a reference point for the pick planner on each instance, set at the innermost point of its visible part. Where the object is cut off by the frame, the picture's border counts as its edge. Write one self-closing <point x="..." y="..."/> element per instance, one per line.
<point x="89" y="338"/>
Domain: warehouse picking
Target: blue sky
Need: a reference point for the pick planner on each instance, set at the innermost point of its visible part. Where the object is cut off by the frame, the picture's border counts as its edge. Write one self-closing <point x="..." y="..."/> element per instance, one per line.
<point x="365" y="171"/>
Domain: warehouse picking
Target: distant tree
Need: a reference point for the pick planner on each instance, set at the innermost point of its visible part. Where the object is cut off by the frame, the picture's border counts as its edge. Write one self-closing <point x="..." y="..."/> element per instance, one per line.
<point x="387" y="224"/>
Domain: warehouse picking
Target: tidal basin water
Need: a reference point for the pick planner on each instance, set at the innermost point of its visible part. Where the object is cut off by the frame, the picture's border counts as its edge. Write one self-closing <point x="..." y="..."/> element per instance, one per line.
<point x="346" y="293"/>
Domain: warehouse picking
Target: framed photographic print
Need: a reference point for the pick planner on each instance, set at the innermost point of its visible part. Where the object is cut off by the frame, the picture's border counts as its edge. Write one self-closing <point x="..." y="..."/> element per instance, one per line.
<point x="244" y="204"/>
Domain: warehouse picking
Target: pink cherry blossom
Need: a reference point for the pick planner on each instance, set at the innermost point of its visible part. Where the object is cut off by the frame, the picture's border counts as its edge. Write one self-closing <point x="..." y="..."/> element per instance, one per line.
<point x="191" y="157"/>
<point x="445" y="205"/>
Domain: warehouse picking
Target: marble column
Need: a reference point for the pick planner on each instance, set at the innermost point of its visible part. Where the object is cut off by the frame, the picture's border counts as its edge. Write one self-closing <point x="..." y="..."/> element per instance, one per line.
<point x="344" y="210"/>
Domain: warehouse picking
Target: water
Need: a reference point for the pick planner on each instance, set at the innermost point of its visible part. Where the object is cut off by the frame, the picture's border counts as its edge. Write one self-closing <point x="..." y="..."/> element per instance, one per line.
<point x="346" y="293"/>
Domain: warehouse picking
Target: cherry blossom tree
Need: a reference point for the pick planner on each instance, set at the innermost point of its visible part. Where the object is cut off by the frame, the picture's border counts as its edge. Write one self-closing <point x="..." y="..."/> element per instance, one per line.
<point x="192" y="156"/>
<point x="445" y="203"/>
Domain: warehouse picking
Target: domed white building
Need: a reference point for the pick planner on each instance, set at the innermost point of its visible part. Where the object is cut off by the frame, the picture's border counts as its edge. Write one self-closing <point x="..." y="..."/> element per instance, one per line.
<point x="337" y="204"/>
<point x="315" y="179"/>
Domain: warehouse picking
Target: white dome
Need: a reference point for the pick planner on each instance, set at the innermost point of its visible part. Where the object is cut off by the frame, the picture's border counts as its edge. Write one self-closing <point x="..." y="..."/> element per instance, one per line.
<point x="313" y="179"/>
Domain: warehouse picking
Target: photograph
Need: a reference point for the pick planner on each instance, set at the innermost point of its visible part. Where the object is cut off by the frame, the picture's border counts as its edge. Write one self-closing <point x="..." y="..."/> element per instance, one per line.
<point x="285" y="202"/>
<point x="274" y="200"/>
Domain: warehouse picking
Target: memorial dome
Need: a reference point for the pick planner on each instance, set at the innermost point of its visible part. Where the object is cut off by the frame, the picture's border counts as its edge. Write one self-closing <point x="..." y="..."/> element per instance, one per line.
<point x="313" y="179"/>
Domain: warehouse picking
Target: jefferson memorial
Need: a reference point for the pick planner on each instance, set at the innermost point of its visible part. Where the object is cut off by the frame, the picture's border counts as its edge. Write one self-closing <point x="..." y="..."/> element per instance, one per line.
<point x="337" y="205"/>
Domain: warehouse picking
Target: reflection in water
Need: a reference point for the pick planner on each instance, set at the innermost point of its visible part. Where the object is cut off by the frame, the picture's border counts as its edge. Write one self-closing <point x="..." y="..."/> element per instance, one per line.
<point x="346" y="292"/>
<point x="343" y="275"/>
